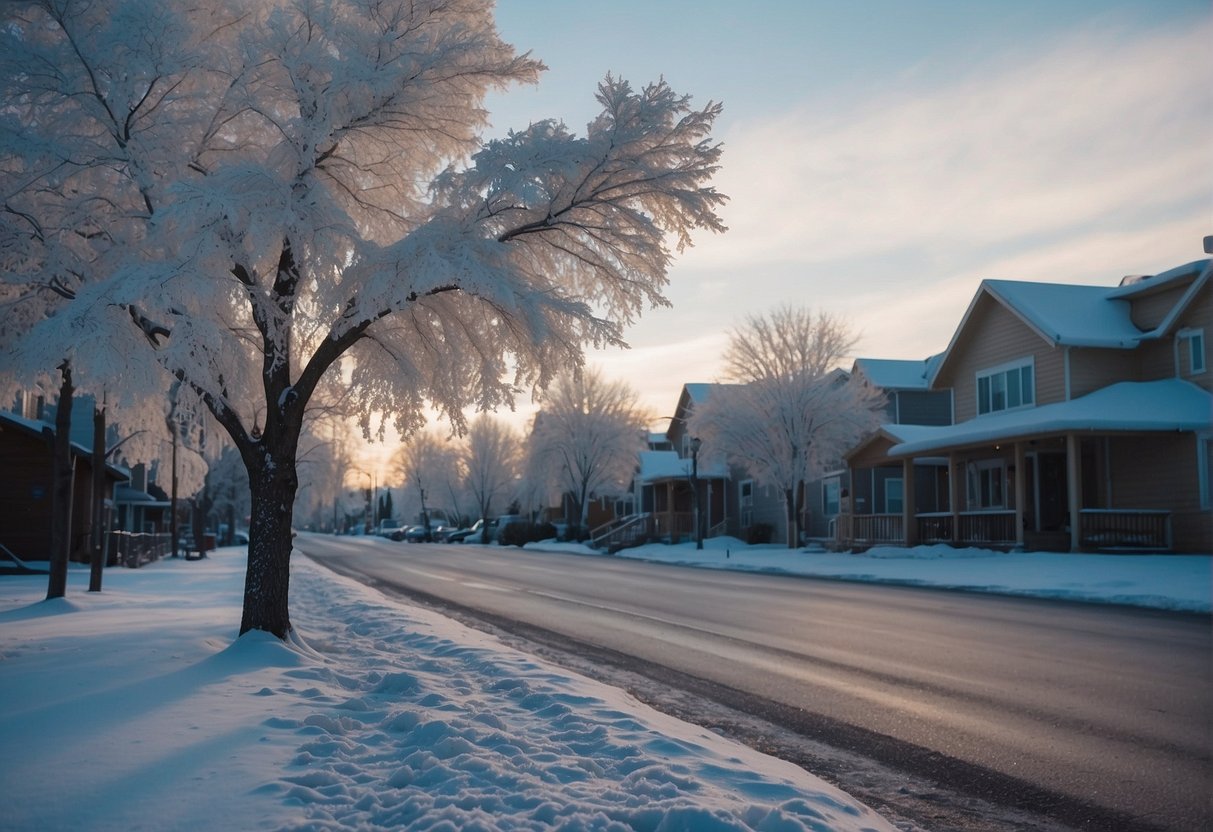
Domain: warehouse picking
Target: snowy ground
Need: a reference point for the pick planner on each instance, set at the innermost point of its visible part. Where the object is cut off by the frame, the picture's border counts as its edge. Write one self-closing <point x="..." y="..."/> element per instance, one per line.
<point x="1171" y="582"/>
<point x="133" y="709"/>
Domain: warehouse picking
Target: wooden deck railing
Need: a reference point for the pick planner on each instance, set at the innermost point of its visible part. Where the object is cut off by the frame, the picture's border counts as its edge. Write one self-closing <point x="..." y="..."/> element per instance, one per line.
<point x="134" y="549"/>
<point x="1101" y="529"/>
<point x="997" y="527"/>
<point x="934" y="527"/>
<point x="869" y="529"/>
<point x="1125" y="529"/>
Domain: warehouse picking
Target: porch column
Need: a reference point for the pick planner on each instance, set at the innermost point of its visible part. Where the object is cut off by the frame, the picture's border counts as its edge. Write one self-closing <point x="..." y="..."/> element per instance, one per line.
<point x="954" y="496"/>
<point x="909" y="520"/>
<point x="669" y="493"/>
<point x="1021" y="492"/>
<point x="1074" y="489"/>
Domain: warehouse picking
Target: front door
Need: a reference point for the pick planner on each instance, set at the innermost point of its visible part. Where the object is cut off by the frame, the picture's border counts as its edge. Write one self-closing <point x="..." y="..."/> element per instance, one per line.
<point x="1051" y="492"/>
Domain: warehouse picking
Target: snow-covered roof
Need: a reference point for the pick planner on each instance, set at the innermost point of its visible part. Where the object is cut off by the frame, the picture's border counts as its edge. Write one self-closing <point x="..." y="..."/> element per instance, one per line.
<point x="1150" y="283"/>
<point x="895" y="374"/>
<point x="1084" y="316"/>
<point x="37" y="428"/>
<point x="1078" y="316"/>
<point x="1167" y="405"/>
<point x="698" y="392"/>
<point x="666" y="465"/>
<point x="126" y="494"/>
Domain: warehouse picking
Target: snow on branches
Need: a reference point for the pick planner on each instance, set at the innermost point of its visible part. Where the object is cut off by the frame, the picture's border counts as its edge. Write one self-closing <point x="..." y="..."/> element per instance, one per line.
<point x="246" y="197"/>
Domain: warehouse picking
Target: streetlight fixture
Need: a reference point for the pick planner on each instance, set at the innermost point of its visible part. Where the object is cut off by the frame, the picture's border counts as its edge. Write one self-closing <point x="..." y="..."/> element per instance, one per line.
<point x="696" y="444"/>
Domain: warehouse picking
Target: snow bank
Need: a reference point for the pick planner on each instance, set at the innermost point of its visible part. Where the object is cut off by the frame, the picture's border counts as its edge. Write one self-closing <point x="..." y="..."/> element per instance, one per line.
<point x="1170" y="582"/>
<point x="135" y="709"/>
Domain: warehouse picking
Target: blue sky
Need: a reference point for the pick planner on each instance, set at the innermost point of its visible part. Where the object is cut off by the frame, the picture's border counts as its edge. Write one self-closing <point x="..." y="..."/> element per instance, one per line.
<point x="884" y="157"/>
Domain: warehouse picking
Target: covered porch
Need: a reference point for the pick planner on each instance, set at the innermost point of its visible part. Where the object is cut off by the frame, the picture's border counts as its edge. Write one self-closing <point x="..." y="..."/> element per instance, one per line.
<point x="673" y="497"/>
<point x="1108" y="472"/>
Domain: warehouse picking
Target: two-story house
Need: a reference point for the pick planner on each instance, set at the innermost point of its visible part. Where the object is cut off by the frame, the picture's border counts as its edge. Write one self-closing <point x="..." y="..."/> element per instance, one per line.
<point x="1082" y="422"/>
<point x="880" y="491"/>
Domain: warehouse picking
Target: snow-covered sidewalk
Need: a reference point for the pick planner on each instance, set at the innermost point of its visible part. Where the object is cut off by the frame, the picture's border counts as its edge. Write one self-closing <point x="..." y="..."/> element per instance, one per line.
<point x="134" y="709"/>
<point x="1170" y="582"/>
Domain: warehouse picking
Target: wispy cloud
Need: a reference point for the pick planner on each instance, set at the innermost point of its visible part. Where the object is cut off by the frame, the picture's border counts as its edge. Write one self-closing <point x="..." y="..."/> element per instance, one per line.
<point x="1106" y="127"/>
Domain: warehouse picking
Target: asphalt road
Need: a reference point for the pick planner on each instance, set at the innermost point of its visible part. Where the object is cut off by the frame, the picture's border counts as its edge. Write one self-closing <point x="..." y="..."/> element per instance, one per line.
<point x="1100" y="714"/>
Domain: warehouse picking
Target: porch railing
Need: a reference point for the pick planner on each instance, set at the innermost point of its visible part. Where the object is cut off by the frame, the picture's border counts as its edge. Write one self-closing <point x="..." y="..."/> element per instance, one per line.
<point x="974" y="527"/>
<point x="623" y="532"/>
<point x="986" y="527"/>
<point x="674" y="525"/>
<point x="869" y="529"/>
<point x="1126" y="529"/>
<point x="135" y="549"/>
<point x="934" y="527"/>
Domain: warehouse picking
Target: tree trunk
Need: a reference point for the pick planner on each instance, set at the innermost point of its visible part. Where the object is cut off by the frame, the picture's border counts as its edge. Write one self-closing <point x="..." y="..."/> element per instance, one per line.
<point x="175" y="431"/>
<point x="267" y="579"/>
<point x="793" y="526"/>
<point x="97" y="538"/>
<point x="61" y="487"/>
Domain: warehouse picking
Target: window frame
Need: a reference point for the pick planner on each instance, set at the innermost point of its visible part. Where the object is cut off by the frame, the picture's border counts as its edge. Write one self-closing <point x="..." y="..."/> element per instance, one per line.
<point x="834" y="484"/>
<point x="995" y="381"/>
<point x="981" y="473"/>
<point x="1196" y="349"/>
<point x="745" y="502"/>
<point x="901" y="495"/>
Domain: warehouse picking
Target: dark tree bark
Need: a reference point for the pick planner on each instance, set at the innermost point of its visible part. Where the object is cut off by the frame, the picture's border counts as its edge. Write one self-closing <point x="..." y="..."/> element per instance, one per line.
<point x="175" y="432"/>
<point x="61" y="487"/>
<point x="273" y="483"/>
<point x="793" y="525"/>
<point x="97" y="537"/>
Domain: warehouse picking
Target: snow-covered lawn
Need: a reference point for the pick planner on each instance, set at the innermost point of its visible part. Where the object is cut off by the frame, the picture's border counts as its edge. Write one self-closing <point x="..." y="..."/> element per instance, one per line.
<point x="134" y="709"/>
<point x="1171" y="582"/>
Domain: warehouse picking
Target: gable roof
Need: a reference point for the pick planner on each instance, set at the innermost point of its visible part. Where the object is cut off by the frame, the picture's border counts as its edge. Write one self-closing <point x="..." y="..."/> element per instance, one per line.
<point x="1065" y="314"/>
<point x="897" y="374"/>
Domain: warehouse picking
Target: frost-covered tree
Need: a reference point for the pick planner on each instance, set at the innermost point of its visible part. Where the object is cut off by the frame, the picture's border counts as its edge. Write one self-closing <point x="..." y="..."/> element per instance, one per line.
<point x="587" y="436"/>
<point x="432" y="472"/>
<point x="790" y="414"/>
<point x="490" y="460"/>
<point x="271" y="187"/>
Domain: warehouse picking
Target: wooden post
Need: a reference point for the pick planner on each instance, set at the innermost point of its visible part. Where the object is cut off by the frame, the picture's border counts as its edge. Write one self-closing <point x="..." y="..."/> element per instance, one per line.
<point x="1074" y="489"/>
<point x="1021" y="492"/>
<point x="954" y="496"/>
<point x="909" y="531"/>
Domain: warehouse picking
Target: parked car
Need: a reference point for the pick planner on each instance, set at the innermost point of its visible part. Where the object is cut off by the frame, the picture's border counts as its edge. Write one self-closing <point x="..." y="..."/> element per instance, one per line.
<point x="391" y="529"/>
<point x="502" y="522"/>
<point x="469" y="534"/>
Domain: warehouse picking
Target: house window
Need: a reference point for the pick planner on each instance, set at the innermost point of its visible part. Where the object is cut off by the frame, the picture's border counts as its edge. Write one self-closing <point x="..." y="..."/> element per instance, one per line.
<point x="830" y="491"/>
<point x="1008" y="387"/>
<point x="987" y="484"/>
<point x="1196" y="349"/>
<point x="745" y="494"/>
<point x="894" y="502"/>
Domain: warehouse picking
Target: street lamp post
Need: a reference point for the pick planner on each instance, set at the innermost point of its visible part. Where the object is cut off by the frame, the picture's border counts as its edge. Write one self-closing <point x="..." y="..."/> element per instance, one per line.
<point x="371" y="487"/>
<point x="696" y="443"/>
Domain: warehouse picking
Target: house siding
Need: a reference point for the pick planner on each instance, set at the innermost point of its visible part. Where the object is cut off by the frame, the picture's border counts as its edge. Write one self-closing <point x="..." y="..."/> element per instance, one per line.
<point x="921" y="407"/>
<point x="1149" y="310"/>
<point x="1093" y="369"/>
<point x="1160" y="471"/>
<point x="1199" y="314"/>
<point x="1003" y="338"/>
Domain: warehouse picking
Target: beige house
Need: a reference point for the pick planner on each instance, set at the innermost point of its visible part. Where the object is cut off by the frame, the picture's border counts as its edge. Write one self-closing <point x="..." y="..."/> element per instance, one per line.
<point x="1082" y="422"/>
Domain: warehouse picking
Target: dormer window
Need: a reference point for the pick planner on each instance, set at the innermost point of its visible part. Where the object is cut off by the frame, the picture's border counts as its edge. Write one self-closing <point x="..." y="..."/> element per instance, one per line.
<point x="1006" y="387"/>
